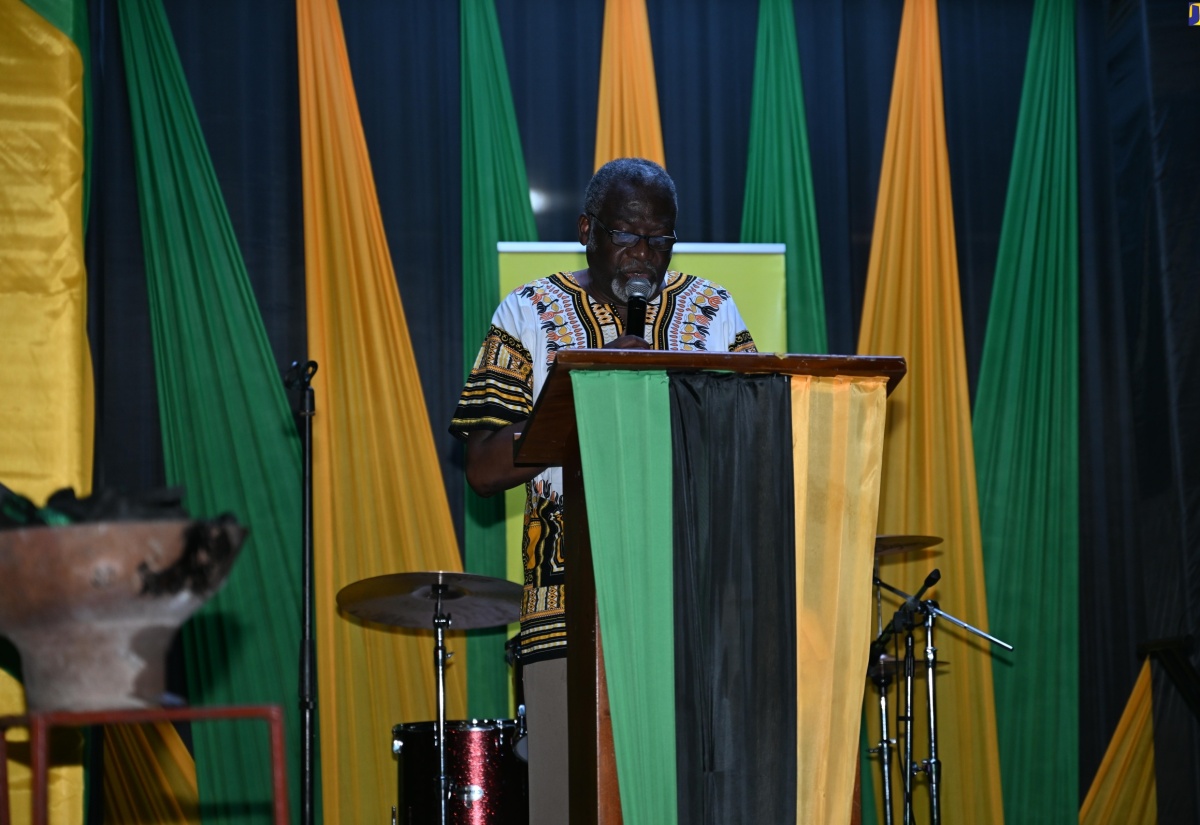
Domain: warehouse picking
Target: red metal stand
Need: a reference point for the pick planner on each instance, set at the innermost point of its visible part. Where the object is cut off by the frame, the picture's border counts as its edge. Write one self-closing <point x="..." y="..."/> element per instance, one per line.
<point x="40" y="724"/>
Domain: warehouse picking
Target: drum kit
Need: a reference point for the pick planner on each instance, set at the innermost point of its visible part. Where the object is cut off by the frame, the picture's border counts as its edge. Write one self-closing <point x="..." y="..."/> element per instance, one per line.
<point x="882" y="667"/>
<point x="474" y="774"/>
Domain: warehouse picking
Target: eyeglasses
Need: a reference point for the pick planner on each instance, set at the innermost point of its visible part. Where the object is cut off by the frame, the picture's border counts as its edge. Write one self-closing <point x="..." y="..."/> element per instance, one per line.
<point x="659" y="243"/>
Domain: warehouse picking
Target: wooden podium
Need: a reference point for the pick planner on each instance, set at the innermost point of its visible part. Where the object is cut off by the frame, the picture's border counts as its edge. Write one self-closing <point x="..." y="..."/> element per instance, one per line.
<point x="551" y="437"/>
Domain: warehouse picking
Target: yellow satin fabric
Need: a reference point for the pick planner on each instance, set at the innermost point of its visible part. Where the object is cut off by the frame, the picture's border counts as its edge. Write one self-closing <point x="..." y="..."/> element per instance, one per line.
<point x="1123" y="789"/>
<point x="379" y="502"/>
<point x="837" y="441"/>
<point x="627" y="119"/>
<point x="46" y="418"/>
<point x="156" y="781"/>
<point x="912" y="308"/>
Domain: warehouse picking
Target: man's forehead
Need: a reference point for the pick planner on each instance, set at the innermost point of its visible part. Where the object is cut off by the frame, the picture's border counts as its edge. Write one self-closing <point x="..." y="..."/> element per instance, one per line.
<point x="641" y="198"/>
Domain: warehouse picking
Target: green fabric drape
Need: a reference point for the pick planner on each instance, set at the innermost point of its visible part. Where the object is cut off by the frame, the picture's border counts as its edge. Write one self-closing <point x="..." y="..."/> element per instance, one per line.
<point x="1026" y="440"/>
<point x="624" y="423"/>
<point x="779" y="206"/>
<point x="496" y="208"/>
<point x="227" y="428"/>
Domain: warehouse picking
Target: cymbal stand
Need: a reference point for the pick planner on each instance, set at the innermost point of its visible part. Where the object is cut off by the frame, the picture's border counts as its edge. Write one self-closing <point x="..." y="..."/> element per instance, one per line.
<point x="908" y="725"/>
<point x="929" y="608"/>
<point x="441" y="621"/>
<point x="883" y="681"/>
<point x="932" y="766"/>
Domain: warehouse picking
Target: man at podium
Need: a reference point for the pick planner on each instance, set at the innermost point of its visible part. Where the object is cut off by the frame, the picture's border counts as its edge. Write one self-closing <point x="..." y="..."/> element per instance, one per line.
<point x="626" y="298"/>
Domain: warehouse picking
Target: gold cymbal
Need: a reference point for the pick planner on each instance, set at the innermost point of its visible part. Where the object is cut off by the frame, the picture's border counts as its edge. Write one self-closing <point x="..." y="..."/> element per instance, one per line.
<point x="892" y="545"/>
<point x="410" y="599"/>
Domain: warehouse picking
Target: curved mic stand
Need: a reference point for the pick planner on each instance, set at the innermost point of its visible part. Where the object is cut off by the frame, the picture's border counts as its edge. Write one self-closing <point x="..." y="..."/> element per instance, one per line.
<point x="302" y="375"/>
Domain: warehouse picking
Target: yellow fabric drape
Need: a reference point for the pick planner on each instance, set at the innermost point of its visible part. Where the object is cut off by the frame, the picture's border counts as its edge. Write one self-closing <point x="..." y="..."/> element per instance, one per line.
<point x="912" y="308"/>
<point x="837" y="441"/>
<point x="627" y="120"/>
<point x="46" y="418"/>
<point x="379" y="503"/>
<point x="46" y="407"/>
<point x="157" y="777"/>
<point x="1123" y="789"/>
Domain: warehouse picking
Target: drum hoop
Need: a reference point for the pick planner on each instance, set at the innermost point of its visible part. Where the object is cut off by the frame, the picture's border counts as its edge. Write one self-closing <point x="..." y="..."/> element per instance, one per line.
<point x="456" y="725"/>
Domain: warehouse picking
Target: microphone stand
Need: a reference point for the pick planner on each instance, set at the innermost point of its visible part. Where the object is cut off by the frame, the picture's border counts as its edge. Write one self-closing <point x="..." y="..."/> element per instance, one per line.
<point x="929" y="608"/>
<point x="302" y="375"/>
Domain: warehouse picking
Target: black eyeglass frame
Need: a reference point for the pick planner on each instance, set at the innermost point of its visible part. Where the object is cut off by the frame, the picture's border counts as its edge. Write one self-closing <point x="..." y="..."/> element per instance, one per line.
<point x="665" y="242"/>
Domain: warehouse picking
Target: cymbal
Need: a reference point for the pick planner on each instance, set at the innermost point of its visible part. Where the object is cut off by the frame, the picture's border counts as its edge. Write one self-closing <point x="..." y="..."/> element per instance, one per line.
<point x="410" y="600"/>
<point x="891" y="666"/>
<point x="890" y="545"/>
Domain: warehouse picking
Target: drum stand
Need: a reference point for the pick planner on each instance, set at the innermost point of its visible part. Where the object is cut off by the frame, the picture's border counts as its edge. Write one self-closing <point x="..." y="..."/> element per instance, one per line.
<point x="403" y="600"/>
<point x="883" y="680"/>
<point x="441" y="621"/>
<point x="905" y="619"/>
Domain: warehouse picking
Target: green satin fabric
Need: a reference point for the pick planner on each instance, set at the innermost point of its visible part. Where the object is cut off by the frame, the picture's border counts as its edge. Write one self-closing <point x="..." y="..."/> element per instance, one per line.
<point x="496" y="207"/>
<point x="625" y="445"/>
<point x="1026" y="430"/>
<point x="779" y="206"/>
<point x="228" y="432"/>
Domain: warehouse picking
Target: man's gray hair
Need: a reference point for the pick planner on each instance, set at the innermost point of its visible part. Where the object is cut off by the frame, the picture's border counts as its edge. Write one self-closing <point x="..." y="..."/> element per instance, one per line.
<point x="638" y="171"/>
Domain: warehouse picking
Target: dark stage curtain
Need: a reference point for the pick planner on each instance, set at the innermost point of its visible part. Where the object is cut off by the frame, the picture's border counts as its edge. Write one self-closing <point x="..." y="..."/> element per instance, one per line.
<point x="735" y="578"/>
<point x="1140" y="294"/>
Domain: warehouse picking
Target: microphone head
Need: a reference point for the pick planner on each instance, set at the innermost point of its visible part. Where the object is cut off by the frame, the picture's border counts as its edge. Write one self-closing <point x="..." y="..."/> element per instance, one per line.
<point x="638" y="287"/>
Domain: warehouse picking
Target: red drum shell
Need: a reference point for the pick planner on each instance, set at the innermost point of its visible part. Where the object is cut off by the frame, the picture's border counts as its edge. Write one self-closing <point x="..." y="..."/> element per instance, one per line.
<point x="489" y="784"/>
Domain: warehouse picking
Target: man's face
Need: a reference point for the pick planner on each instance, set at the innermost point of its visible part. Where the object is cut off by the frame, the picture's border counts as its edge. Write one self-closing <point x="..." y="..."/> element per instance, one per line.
<point x="643" y="210"/>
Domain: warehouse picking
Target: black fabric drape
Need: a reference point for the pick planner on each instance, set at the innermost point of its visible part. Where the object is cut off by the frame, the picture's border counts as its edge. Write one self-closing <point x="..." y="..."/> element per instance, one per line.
<point x="1140" y="297"/>
<point x="735" y="633"/>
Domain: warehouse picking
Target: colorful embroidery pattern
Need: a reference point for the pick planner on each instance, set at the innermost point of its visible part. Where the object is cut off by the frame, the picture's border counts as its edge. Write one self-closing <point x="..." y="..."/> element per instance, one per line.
<point x="532" y="324"/>
<point x="499" y="389"/>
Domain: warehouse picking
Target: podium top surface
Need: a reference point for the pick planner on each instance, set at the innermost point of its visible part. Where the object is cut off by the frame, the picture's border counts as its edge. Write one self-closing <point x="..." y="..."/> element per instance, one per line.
<point x="549" y="434"/>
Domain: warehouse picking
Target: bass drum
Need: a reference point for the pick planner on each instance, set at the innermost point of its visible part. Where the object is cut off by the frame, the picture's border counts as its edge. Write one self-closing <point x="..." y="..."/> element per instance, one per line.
<point x="489" y="784"/>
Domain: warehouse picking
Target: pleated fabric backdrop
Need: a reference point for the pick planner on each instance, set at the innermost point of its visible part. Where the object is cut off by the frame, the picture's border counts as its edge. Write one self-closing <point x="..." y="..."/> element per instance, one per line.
<point x="1124" y="790"/>
<point x="228" y="437"/>
<point x="496" y="208"/>
<point x="913" y="306"/>
<point x="1026" y="432"/>
<point x="379" y="502"/>
<point x="766" y="619"/>
<point x="627" y="123"/>
<point x="46" y="407"/>
<point x="778" y="206"/>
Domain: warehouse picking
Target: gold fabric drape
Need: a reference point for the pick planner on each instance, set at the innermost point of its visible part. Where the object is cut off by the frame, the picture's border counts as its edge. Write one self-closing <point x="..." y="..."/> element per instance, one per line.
<point x="1123" y="789"/>
<point x="156" y="781"/>
<point x="912" y="308"/>
<point x="837" y="451"/>
<point x="627" y="119"/>
<point x="379" y="503"/>
<point x="46" y="407"/>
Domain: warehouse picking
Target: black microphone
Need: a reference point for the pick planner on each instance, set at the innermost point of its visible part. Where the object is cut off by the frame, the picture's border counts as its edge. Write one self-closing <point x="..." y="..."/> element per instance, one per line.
<point x="638" y="290"/>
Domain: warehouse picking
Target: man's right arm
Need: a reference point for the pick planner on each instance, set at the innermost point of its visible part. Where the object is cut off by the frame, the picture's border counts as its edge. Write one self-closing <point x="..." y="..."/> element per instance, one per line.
<point x="490" y="467"/>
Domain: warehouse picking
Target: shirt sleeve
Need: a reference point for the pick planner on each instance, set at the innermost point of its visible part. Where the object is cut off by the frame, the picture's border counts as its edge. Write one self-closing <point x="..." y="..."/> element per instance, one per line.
<point x="499" y="388"/>
<point x="737" y="336"/>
